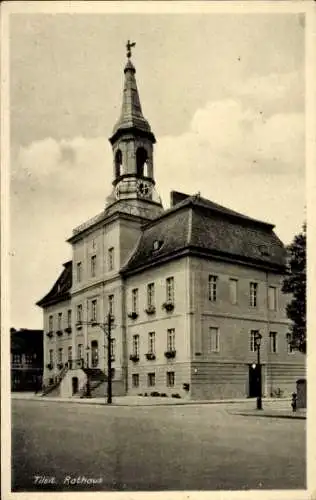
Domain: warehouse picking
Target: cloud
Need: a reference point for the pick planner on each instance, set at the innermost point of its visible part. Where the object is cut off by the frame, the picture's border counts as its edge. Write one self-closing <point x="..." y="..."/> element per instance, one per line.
<point x="232" y="154"/>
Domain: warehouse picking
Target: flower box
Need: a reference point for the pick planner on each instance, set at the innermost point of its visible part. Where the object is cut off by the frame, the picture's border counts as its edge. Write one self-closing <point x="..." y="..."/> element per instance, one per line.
<point x="59" y="333"/>
<point x="150" y="356"/>
<point x="60" y="366"/>
<point x="133" y="315"/>
<point x="79" y="325"/>
<point x="134" y="357"/>
<point x="68" y="329"/>
<point x="170" y="354"/>
<point x="93" y="322"/>
<point x="168" y="306"/>
<point x="49" y="366"/>
<point x="49" y="334"/>
<point x="150" y="310"/>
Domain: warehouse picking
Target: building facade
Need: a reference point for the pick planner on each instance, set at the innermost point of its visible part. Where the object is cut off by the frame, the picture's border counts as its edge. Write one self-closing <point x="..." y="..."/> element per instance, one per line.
<point x="188" y="290"/>
<point x="26" y="359"/>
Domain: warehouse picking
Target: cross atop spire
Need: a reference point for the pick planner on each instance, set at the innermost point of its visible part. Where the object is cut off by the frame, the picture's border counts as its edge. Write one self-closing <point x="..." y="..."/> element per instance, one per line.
<point x="129" y="47"/>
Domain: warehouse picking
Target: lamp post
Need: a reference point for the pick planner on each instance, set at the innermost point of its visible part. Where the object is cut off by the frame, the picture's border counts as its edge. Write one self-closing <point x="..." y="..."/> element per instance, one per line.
<point x="88" y="392"/>
<point x="258" y="338"/>
<point x="106" y="327"/>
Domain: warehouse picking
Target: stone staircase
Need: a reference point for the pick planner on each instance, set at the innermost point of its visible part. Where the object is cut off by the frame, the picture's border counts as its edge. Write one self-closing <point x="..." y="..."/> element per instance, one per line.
<point x="54" y="389"/>
<point x="96" y="378"/>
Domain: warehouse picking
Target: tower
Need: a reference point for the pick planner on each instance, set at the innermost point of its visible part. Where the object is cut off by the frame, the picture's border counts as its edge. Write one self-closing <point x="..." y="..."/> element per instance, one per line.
<point x="132" y="144"/>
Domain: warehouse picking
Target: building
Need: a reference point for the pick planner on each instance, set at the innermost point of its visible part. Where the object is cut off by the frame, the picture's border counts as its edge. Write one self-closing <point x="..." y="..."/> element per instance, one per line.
<point x="189" y="289"/>
<point x="26" y="359"/>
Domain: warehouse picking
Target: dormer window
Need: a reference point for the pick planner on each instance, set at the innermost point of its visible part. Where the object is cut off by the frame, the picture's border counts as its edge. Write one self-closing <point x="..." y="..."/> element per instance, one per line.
<point x="264" y="250"/>
<point x="157" y="245"/>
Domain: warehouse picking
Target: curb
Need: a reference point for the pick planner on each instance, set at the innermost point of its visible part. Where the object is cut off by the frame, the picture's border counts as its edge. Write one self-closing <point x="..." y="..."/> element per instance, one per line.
<point x="270" y="415"/>
<point x="142" y="404"/>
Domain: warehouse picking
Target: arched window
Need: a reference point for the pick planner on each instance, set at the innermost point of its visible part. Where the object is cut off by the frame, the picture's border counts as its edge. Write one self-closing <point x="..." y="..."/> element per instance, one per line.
<point x="118" y="163"/>
<point x="141" y="159"/>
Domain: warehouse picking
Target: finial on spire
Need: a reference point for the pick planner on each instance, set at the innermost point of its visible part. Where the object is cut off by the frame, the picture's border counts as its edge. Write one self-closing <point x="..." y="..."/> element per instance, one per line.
<point x="129" y="46"/>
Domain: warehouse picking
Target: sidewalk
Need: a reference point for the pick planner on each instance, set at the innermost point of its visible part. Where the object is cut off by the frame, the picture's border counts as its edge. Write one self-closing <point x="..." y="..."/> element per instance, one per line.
<point x="277" y="408"/>
<point x="271" y="407"/>
<point x="123" y="400"/>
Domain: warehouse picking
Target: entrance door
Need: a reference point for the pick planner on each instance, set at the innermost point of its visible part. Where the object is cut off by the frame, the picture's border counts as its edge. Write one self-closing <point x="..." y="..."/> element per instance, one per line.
<point x="74" y="385"/>
<point x="254" y="380"/>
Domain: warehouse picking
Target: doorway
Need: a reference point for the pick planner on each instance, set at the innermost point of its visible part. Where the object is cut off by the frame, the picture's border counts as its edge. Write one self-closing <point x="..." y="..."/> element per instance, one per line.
<point x="74" y="385"/>
<point x="254" y="380"/>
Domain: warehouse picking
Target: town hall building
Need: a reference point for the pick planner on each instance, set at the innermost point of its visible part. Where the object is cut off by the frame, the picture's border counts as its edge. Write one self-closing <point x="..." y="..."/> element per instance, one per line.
<point x="188" y="290"/>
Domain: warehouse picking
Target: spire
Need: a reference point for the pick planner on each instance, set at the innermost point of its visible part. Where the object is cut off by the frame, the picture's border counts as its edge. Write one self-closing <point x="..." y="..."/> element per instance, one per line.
<point x="131" y="113"/>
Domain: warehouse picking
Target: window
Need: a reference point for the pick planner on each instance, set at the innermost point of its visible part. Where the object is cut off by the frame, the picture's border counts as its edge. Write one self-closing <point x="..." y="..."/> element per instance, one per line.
<point x="273" y="342"/>
<point x="59" y="321"/>
<point x="79" y="313"/>
<point x="113" y="346"/>
<point x="111" y="258"/>
<point x="233" y="290"/>
<point x="50" y="323"/>
<point x="94" y="353"/>
<point x="253" y="335"/>
<point x="94" y="311"/>
<point x="290" y="349"/>
<point x="151" y="342"/>
<point x="93" y="265"/>
<point x="16" y="359"/>
<point x="79" y="271"/>
<point x="118" y="163"/>
<point x="212" y="288"/>
<point x="272" y="298"/>
<point x="214" y="339"/>
<point x="51" y="356"/>
<point x="69" y="318"/>
<point x="170" y="379"/>
<point x="136" y="345"/>
<point x="151" y="294"/>
<point x="151" y="379"/>
<point x="171" y="341"/>
<point x="69" y="353"/>
<point x="111" y="305"/>
<point x="60" y="355"/>
<point x="135" y="300"/>
<point x="80" y="351"/>
<point x="170" y="289"/>
<point x="135" y="380"/>
<point x="253" y="294"/>
<point x="28" y="359"/>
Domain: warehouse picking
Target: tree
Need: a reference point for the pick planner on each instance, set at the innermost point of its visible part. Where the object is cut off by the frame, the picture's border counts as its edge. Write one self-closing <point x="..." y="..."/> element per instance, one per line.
<point x="295" y="284"/>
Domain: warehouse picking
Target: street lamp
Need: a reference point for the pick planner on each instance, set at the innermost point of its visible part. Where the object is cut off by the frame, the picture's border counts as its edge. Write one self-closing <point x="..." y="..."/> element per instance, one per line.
<point x="106" y="327"/>
<point x="258" y="338"/>
<point x="88" y="391"/>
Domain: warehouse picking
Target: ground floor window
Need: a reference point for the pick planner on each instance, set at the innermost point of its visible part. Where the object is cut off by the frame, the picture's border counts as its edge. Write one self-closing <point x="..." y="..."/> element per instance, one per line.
<point x="135" y="380"/>
<point x="170" y="379"/>
<point x="151" y="379"/>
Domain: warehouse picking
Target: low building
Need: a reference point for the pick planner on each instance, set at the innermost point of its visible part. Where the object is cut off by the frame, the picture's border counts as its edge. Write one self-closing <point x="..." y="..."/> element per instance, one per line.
<point x="189" y="288"/>
<point x="26" y="359"/>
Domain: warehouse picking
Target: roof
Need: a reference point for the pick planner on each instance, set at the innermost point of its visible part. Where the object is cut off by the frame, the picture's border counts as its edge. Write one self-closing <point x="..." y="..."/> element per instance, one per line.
<point x="201" y="227"/>
<point x="131" y="117"/>
<point x="61" y="288"/>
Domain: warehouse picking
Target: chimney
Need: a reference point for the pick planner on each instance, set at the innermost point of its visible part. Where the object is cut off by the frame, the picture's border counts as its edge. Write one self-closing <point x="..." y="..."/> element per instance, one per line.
<point x="176" y="197"/>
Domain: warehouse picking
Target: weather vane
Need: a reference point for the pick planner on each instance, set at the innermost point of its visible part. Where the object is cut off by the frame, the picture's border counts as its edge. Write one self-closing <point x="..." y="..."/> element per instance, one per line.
<point x="129" y="46"/>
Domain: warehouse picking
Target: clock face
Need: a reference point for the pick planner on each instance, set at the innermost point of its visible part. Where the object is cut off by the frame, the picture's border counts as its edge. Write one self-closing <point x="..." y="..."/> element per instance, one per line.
<point x="144" y="189"/>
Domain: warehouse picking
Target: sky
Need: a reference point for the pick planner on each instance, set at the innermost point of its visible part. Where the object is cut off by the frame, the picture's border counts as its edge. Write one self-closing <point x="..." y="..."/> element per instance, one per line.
<point x="224" y="95"/>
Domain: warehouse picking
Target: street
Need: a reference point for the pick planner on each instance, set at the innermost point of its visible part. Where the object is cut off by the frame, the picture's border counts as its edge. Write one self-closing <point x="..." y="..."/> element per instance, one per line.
<point x="76" y="447"/>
